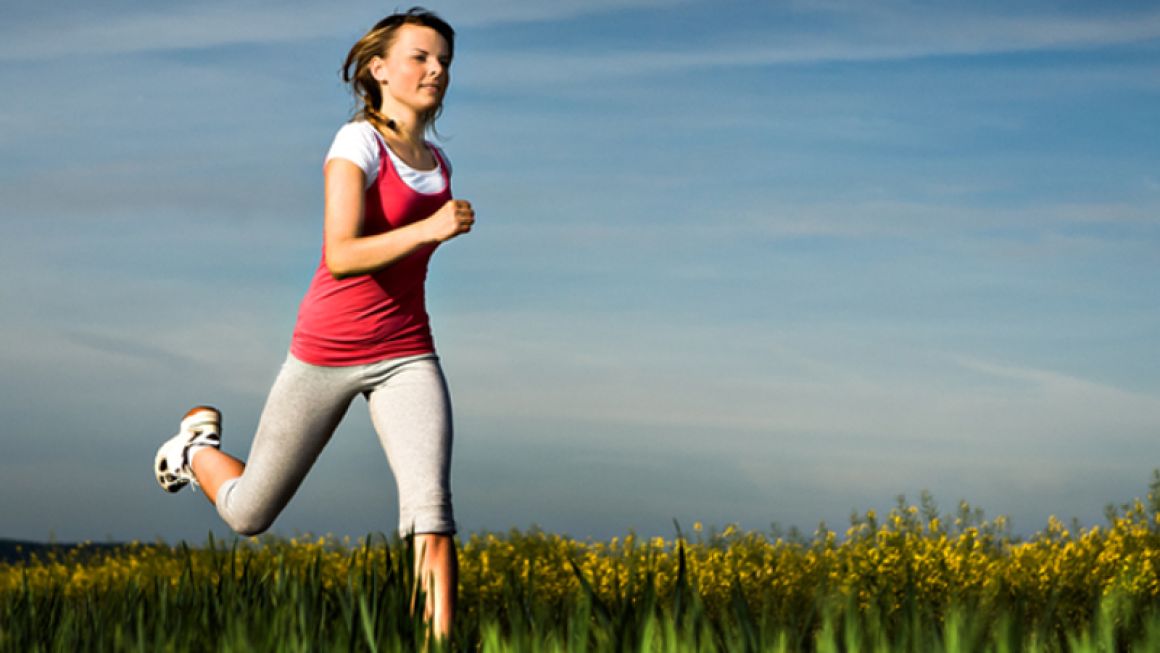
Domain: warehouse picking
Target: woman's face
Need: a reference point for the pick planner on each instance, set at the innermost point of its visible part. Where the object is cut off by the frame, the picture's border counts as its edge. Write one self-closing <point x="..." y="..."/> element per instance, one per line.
<point x="415" y="69"/>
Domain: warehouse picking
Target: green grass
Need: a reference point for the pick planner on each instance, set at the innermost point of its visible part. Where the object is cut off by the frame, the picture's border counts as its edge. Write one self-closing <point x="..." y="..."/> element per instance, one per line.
<point x="912" y="581"/>
<point x="275" y="596"/>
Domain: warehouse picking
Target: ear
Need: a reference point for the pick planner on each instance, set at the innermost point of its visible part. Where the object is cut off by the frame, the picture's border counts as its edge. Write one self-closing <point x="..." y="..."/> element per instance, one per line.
<point x="378" y="69"/>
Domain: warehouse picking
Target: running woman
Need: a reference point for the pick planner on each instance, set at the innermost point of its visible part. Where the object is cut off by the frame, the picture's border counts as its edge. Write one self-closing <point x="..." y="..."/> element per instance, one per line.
<point x="363" y="326"/>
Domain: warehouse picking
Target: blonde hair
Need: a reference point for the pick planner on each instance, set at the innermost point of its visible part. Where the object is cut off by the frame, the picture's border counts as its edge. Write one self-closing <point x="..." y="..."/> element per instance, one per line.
<point x="375" y="43"/>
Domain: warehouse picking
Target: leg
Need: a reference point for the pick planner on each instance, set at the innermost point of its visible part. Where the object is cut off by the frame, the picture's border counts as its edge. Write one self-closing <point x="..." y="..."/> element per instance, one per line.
<point x="411" y="411"/>
<point x="305" y="406"/>
<point x="437" y="568"/>
<point x="213" y="468"/>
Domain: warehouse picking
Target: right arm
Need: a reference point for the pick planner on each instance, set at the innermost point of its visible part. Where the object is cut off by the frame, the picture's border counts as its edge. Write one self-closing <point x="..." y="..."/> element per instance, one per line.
<point x="348" y="253"/>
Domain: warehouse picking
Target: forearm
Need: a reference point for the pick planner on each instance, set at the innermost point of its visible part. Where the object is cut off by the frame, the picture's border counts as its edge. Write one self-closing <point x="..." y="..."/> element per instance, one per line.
<point x="348" y="253"/>
<point x="348" y="257"/>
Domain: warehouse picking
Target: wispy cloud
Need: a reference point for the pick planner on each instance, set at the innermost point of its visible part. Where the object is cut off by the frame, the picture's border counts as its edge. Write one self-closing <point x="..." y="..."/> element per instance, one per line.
<point x="474" y="14"/>
<point x="909" y="218"/>
<point x="847" y="34"/>
<point x="181" y="27"/>
<point x="209" y="24"/>
<point x="892" y="36"/>
<point x="903" y="218"/>
<point x="767" y="381"/>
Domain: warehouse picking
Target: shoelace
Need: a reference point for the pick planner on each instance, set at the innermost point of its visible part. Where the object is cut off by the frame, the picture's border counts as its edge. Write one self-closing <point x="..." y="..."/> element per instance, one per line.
<point x="211" y="439"/>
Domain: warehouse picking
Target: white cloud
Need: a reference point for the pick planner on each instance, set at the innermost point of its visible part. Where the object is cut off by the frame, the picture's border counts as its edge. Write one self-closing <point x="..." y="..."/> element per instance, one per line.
<point x="931" y="221"/>
<point x="209" y="24"/>
<point x="475" y="14"/>
<point x="187" y="26"/>
<point x="859" y="36"/>
<point x="887" y="37"/>
<point x="956" y="220"/>
<point x="632" y="369"/>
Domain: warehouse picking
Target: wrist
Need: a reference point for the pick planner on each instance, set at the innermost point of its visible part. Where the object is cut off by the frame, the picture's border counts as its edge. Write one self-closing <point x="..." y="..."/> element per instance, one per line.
<point x="425" y="232"/>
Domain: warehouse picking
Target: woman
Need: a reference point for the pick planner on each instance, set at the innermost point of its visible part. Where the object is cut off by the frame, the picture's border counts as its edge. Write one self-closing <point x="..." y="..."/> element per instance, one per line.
<point x="362" y="327"/>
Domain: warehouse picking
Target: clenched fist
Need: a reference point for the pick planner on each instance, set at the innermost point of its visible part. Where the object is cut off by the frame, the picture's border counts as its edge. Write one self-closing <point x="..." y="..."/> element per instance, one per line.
<point x="453" y="218"/>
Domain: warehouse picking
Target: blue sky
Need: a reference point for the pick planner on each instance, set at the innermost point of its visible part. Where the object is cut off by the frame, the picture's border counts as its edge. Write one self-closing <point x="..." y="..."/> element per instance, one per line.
<point x="736" y="262"/>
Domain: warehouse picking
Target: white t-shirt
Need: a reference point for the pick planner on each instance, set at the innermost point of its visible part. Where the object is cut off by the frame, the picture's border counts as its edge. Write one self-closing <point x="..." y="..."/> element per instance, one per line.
<point x="358" y="141"/>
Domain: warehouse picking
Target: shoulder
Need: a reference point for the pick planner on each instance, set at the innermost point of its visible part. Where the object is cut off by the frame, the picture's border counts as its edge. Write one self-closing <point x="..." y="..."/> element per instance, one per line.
<point x="359" y="130"/>
<point x="359" y="135"/>
<point x="357" y="142"/>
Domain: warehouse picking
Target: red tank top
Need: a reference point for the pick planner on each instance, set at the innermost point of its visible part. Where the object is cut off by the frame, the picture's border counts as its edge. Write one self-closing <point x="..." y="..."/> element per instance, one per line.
<point x="372" y="317"/>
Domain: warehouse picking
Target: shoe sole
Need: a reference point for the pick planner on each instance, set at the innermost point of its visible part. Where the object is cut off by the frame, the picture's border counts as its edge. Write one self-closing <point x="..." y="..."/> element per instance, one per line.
<point x="169" y="481"/>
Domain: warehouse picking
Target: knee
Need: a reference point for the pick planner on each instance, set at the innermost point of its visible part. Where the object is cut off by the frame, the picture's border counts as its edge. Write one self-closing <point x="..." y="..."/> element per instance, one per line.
<point x="248" y="525"/>
<point x="241" y="515"/>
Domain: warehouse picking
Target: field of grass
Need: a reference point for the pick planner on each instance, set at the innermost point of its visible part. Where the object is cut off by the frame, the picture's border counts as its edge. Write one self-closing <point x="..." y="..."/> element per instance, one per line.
<point x="911" y="580"/>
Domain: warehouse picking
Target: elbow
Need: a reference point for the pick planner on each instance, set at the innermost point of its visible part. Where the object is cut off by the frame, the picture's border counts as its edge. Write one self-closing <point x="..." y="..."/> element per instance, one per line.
<point x="337" y="272"/>
<point x="338" y="268"/>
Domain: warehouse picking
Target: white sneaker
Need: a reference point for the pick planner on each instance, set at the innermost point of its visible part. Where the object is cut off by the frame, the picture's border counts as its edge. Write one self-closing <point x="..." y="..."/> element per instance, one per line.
<point x="201" y="426"/>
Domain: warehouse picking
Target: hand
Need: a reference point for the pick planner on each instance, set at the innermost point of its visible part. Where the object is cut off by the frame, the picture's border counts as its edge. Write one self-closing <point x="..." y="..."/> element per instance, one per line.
<point x="453" y="218"/>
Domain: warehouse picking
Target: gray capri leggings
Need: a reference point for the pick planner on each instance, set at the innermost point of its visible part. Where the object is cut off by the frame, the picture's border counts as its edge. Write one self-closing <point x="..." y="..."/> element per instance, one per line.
<point x="411" y="411"/>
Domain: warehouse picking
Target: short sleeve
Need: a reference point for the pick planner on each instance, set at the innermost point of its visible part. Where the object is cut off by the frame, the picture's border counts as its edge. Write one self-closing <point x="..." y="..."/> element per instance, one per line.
<point x="357" y="142"/>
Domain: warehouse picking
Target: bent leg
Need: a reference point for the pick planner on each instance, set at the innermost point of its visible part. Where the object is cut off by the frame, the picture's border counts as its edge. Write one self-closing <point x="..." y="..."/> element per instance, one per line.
<point x="304" y="408"/>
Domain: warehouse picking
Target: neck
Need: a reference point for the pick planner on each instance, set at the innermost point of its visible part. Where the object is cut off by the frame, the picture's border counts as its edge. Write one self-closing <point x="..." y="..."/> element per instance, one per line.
<point x="409" y="126"/>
